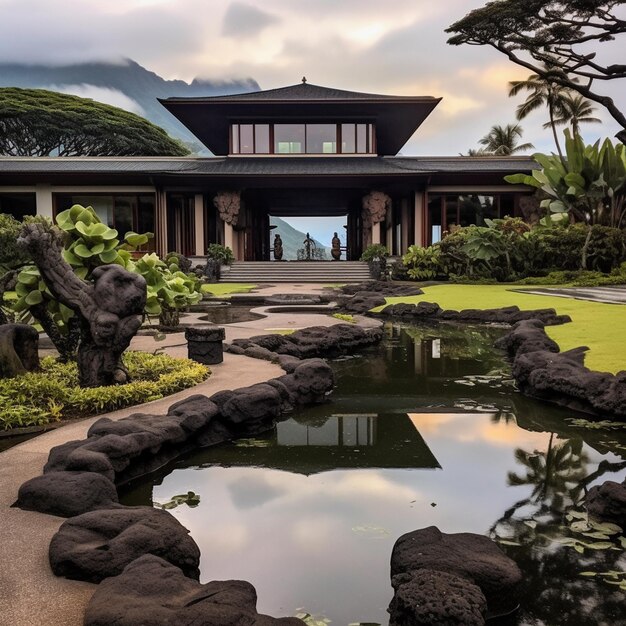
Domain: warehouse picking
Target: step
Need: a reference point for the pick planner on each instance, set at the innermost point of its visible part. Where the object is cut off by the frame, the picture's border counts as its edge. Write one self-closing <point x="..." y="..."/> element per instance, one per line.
<point x="296" y="271"/>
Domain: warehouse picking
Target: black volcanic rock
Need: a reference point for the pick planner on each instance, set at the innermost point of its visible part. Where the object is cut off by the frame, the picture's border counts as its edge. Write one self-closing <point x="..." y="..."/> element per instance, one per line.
<point x="100" y="544"/>
<point x="527" y="336"/>
<point x="428" y="597"/>
<point x="67" y="493"/>
<point x="151" y="592"/>
<point x="607" y="502"/>
<point x="473" y="557"/>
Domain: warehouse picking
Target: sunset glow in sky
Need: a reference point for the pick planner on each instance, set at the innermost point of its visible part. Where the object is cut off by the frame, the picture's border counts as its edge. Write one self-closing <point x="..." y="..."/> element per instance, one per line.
<point x="396" y="47"/>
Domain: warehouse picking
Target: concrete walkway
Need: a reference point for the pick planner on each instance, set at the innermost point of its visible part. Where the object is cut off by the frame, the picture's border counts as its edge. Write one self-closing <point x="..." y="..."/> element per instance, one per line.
<point x="606" y="295"/>
<point x="30" y="595"/>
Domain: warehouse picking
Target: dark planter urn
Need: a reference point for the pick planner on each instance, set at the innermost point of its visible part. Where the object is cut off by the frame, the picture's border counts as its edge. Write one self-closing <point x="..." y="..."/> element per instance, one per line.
<point x="205" y="344"/>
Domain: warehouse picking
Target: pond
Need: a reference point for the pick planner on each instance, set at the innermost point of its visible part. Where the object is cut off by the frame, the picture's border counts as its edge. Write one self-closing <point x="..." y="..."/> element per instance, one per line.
<point x="424" y="429"/>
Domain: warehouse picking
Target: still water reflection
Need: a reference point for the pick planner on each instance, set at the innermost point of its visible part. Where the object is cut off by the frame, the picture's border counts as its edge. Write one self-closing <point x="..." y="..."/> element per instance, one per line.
<point x="424" y="429"/>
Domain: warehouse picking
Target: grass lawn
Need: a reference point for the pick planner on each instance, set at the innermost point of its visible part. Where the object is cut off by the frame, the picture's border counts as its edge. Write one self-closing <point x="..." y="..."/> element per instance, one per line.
<point x="224" y="289"/>
<point x="601" y="327"/>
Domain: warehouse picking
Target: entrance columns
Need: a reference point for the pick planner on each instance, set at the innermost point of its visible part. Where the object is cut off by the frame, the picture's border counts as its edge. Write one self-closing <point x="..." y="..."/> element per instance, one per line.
<point x="229" y="236"/>
<point x="199" y="224"/>
<point x="376" y="233"/>
<point x="375" y="206"/>
<point x="420" y="239"/>
<point x="160" y="223"/>
<point x="43" y="199"/>
<point x="228" y="205"/>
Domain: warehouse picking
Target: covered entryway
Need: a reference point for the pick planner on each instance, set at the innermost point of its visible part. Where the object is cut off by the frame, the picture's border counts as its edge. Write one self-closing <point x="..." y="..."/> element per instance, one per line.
<point x="264" y="212"/>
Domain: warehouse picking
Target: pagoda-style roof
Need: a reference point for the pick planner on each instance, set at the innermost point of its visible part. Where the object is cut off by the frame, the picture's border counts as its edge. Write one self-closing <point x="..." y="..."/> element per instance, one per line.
<point x="396" y="117"/>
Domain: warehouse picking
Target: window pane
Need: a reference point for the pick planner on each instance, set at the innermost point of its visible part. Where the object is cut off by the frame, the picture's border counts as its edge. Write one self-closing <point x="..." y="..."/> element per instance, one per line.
<point x="348" y="138"/>
<point x="124" y="209"/>
<point x="246" y="138"/>
<point x="361" y="138"/>
<point x="235" y="138"/>
<point x="507" y="205"/>
<point x="102" y="205"/>
<point x="262" y="138"/>
<point x="452" y="223"/>
<point x="145" y="219"/>
<point x="434" y="218"/>
<point x="289" y="138"/>
<point x="321" y="138"/>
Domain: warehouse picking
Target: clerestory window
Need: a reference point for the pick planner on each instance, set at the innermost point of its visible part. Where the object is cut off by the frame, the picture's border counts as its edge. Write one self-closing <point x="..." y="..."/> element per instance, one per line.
<point x="303" y="138"/>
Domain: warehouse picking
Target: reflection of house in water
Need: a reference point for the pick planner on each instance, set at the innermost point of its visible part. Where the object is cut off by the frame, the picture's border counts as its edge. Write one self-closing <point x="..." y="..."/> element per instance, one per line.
<point x="338" y="442"/>
<point x="338" y="430"/>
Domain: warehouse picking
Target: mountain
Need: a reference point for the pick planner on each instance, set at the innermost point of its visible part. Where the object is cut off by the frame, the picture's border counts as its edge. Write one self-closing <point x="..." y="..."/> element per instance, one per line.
<point x="126" y="84"/>
<point x="293" y="239"/>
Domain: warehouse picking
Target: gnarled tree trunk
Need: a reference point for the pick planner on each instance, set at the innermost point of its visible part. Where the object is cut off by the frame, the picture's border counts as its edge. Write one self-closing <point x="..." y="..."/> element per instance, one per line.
<point x="109" y="310"/>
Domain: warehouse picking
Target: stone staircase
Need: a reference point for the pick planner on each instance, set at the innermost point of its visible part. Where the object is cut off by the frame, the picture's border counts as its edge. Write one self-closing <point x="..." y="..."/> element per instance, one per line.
<point x="332" y="272"/>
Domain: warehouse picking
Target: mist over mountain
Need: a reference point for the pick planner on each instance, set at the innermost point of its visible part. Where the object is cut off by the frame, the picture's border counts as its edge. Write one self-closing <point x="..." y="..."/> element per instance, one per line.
<point x="127" y="85"/>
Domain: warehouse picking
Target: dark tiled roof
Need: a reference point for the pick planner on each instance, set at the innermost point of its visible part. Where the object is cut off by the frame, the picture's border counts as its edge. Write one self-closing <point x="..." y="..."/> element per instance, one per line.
<point x="270" y="166"/>
<point x="300" y="92"/>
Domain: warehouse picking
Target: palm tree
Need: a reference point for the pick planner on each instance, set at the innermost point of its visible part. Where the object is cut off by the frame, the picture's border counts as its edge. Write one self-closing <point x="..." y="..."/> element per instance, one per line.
<point x="502" y="140"/>
<point x="543" y="92"/>
<point x="576" y="110"/>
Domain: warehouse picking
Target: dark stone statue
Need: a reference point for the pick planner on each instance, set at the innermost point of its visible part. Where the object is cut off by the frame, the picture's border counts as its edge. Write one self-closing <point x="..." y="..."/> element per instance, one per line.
<point x="336" y="248"/>
<point x="278" y="248"/>
<point x="18" y="350"/>
<point x="309" y="247"/>
<point x="109" y="310"/>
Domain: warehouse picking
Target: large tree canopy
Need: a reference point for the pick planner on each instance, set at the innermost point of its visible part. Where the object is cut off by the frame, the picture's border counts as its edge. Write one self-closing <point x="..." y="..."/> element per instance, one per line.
<point x="36" y="122"/>
<point x="555" y="39"/>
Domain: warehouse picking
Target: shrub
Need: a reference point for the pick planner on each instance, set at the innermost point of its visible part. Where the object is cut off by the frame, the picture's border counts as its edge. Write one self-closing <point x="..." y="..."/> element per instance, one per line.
<point x="374" y="252"/>
<point x="423" y="263"/>
<point x="223" y="254"/>
<point x="52" y="394"/>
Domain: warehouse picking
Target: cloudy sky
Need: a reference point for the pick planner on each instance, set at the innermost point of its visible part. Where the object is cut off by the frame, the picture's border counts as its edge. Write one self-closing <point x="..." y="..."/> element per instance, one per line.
<point x="392" y="46"/>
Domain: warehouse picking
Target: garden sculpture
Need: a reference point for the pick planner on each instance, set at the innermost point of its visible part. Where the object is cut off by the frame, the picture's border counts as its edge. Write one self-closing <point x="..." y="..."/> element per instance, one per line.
<point x="278" y="248"/>
<point x="109" y="309"/>
<point x="309" y="246"/>
<point x="336" y="248"/>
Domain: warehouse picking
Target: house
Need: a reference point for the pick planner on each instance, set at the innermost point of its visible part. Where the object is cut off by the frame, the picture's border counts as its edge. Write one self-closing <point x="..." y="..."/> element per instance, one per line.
<point x="302" y="150"/>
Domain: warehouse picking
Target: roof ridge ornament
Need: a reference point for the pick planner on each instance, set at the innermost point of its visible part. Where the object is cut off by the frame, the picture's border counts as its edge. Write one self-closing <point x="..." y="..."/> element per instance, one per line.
<point x="304" y="80"/>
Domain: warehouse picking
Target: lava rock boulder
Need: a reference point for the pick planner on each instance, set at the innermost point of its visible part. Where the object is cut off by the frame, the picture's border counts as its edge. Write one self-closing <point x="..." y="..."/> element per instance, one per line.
<point x="100" y="544"/>
<point x="431" y="598"/>
<point x="467" y="555"/>
<point x="152" y="592"/>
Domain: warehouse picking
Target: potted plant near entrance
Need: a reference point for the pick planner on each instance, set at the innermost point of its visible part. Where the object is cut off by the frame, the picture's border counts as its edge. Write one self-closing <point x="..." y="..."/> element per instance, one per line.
<point x="216" y="256"/>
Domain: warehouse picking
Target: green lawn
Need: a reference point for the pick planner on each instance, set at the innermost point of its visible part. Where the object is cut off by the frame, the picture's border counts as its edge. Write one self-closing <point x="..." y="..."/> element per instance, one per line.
<point x="224" y="289"/>
<point x="601" y="327"/>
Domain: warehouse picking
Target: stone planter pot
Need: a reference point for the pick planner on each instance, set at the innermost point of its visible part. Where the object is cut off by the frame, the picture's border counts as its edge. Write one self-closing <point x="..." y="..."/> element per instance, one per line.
<point x="205" y="344"/>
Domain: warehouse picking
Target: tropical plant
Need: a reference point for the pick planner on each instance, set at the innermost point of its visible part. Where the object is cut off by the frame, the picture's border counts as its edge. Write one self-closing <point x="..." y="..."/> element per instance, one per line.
<point x="168" y="292"/>
<point x="503" y="140"/>
<point x="575" y="111"/>
<point x="89" y="244"/>
<point x="423" y="263"/>
<point x="223" y="254"/>
<point x="541" y="35"/>
<point x="543" y="92"/>
<point x="588" y="185"/>
<point x="375" y="251"/>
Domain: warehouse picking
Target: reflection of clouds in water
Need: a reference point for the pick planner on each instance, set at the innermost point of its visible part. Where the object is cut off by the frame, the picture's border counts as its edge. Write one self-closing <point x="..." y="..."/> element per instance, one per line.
<point x="316" y="533"/>
<point x="475" y="428"/>
<point x="225" y="537"/>
<point x="252" y="491"/>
